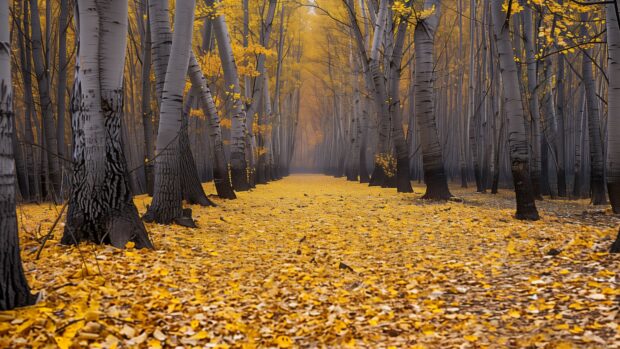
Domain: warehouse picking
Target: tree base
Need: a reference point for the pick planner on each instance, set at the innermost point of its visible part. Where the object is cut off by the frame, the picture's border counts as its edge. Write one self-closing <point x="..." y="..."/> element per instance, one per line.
<point x="436" y="186"/>
<point x="116" y="228"/>
<point x="598" y="192"/>
<point x="183" y="219"/>
<point x="615" y="247"/>
<point x="561" y="182"/>
<point x="403" y="184"/>
<point x="526" y="205"/>
<point x="463" y="177"/>
<point x="378" y="176"/>
<point x="224" y="189"/>
<point x="613" y="189"/>
<point x="536" y="188"/>
<point x="240" y="179"/>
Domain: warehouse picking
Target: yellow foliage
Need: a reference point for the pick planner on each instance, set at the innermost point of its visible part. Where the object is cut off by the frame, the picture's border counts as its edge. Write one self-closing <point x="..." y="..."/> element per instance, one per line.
<point x="266" y="270"/>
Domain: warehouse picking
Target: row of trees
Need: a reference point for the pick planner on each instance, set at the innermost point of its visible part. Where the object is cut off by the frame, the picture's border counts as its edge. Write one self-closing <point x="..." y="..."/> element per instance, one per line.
<point x="528" y="103"/>
<point x="525" y="93"/>
<point x="127" y="55"/>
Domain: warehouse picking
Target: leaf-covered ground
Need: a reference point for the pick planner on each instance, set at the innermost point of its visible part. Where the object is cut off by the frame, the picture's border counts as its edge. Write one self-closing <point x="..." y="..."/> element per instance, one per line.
<point x="313" y="261"/>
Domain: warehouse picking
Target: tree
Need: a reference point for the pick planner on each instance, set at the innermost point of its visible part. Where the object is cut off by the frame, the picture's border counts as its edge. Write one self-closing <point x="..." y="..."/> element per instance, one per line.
<point x="432" y="157"/>
<point x="14" y="289"/>
<point x="101" y="208"/>
<point x="532" y="93"/>
<point x="220" y="167"/>
<point x="517" y="141"/>
<point x="43" y="80"/>
<point x="597" y="163"/>
<point x="238" y="162"/>
<point x="613" y="100"/>
<point x="166" y="206"/>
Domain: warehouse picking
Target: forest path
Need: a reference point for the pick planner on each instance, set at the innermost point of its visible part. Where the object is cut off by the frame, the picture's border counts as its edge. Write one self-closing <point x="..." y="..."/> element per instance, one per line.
<point x="312" y="259"/>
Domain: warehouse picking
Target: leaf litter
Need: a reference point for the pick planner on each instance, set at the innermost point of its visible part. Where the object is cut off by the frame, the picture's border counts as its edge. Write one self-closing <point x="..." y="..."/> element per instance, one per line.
<point x="313" y="261"/>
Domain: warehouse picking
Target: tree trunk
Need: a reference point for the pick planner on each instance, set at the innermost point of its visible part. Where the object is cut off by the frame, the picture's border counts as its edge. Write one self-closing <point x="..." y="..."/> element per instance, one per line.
<point x="101" y="208"/>
<point x="432" y="157"/>
<point x="403" y="185"/>
<point x="613" y="99"/>
<point x="220" y="168"/>
<point x="14" y="290"/>
<point x="532" y="93"/>
<point x="597" y="182"/>
<point x="526" y="206"/>
<point x="166" y="206"/>
<point x="63" y="26"/>
<point x="193" y="193"/>
<point x="49" y="130"/>
<point x="147" y="112"/>
<point x="238" y="163"/>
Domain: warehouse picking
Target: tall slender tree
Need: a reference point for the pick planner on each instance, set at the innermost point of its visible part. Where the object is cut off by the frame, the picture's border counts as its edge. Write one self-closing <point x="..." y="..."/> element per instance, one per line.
<point x="597" y="163"/>
<point x="517" y="140"/>
<point x="238" y="161"/>
<point x="166" y="206"/>
<point x="45" y="101"/>
<point x="432" y="155"/>
<point x="14" y="290"/>
<point x="613" y="100"/>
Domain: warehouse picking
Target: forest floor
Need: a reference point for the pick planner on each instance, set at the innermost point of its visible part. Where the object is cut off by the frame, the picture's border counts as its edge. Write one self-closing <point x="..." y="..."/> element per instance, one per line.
<point x="312" y="261"/>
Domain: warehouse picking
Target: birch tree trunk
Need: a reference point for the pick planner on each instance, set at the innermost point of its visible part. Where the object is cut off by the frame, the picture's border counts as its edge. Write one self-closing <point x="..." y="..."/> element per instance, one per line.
<point x="190" y="181"/>
<point x="532" y="93"/>
<point x="432" y="157"/>
<point x="49" y="130"/>
<point x="613" y="100"/>
<point x="161" y="36"/>
<point x="597" y="182"/>
<point x="166" y="206"/>
<point x="375" y="84"/>
<point x="238" y="163"/>
<point x="14" y="289"/>
<point x="517" y="140"/>
<point x="24" y="46"/>
<point x="63" y="26"/>
<point x="101" y="208"/>
<point x="403" y="185"/>
<point x="220" y="168"/>
<point x="147" y="112"/>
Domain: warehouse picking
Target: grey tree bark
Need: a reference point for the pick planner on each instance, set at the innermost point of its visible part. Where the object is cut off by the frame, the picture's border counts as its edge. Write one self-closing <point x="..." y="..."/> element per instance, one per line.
<point x="432" y="156"/>
<point x="613" y="100"/>
<point x="238" y="162"/>
<point x="166" y="206"/>
<point x="43" y="80"/>
<point x="147" y="112"/>
<point x="517" y="140"/>
<point x="191" y="187"/>
<point x="101" y="208"/>
<point x="597" y="182"/>
<point x="220" y="168"/>
<point x="14" y="289"/>
<point x="532" y="93"/>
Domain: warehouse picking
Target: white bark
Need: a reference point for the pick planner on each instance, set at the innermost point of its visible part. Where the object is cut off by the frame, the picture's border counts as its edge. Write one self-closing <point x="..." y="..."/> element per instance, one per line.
<point x="613" y="100"/>
<point x="238" y="161"/>
<point x="517" y="138"/>
<point x="166" y="206"/>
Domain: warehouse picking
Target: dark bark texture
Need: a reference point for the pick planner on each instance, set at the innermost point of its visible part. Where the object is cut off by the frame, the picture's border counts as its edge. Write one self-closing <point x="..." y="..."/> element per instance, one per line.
<point x="102" y="214"/>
